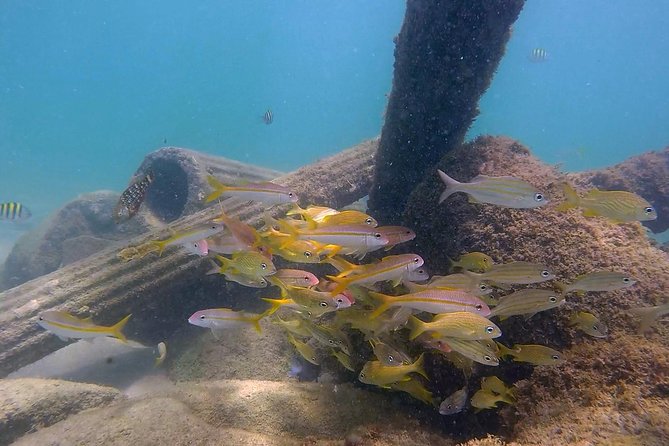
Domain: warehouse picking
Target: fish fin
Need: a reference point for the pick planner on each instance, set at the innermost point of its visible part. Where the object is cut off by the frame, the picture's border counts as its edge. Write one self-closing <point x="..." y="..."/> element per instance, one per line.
<point x="311" y="223"/>
<point x="255" y="321"/>
<point x="385" y="304"/>
<point x="63" y="338"/>
<point x="528" y="316"/>
<point x="219" y="188"/>
<point x="395" y="282"/>
<point x="342" y="265"/>
<point x="504" y="350"/>
<point x="215" y="269"/>
<point x="416" y="326"/>
<point x="452" y="264"/>
<point x="342" y="284"/>
<point x="571" y="197"/>
<point x="561" y="286"/>
<point x="501" y="318"/>
<point x="296" y="210"/>
<point x="473" y="200"/>
<point x="226" y="264"/>
<point x="590" y="213"/>
<point x="217" y="333"/>
<point x="161" y="244"/>
<point x="450" y="184"/>
<point x="648" y="316"/>
<point x="419" y="366"/>
<point x="117" y="327"/>
<point x="275" y="305"/>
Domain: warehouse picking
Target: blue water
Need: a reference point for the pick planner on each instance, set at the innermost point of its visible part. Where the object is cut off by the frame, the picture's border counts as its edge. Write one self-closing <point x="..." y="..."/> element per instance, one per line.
<point x="87" y="89"/>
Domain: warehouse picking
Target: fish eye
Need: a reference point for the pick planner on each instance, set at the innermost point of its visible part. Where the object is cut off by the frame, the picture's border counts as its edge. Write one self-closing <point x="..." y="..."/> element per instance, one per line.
<point x="555" y="357"/>
<point x="368" y="221"/>
<point x="594" y="327"/>
<point x="487" y="358"/>
<point x="313" y="358"/>
<point x="552" y="299"/>
<point x="307" y="254"/>
<point x="362" y="374"/>
<point x="324" y="304"/>
<point x="377" y="235"/>
<point x="41" y="318"/>
<point x="202" y="317"/>
<point x="391" y="358"/>
<point x="489" y="329"/>
<point x="626" y="280"/>
<point x="214" y="227"/>
<point x="479" y="307"/>
<point x="263" y="265"/>
<point x="649" y="210"/>
<point x="262" y="282"/>
<point x="416" y="260"/>
<point x="290" y="194"/>
<point x="545" y="273"/>
<point x="331" y="342"/>
<point x="538" y="196"/>
<point x="483" y="287"/>
<point x="340" y="301"/>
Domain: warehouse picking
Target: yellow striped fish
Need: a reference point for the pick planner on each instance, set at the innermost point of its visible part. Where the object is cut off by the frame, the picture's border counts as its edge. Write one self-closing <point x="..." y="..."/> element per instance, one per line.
<point x="459" y="324"/>
<point x="267" y="192"/>
<point x="432" y="301"/>
<point x="14" y="211"/>
<point x="598" y="281"/>
<point x="67" y="326"/>
<point x="617" y="206"/>
<point x="528" y="302"/>
<point x="518" y="273"/>
<point x="507" y="191"/>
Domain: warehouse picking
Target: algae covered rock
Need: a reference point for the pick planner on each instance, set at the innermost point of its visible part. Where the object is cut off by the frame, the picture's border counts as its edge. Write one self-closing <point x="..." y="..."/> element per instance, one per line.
<point x="27" y="404"/>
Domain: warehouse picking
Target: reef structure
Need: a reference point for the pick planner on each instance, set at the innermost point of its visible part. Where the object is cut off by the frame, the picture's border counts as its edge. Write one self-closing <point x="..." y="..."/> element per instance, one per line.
<point x="445" y="57"/>
<point x="153" y="288"/>
<point x="612" y="389"/>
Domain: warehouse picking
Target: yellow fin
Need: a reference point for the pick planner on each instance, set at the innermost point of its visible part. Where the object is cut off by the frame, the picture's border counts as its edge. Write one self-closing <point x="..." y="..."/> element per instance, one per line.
<point x="116" y="328"/>
<point x="219" y="188"/>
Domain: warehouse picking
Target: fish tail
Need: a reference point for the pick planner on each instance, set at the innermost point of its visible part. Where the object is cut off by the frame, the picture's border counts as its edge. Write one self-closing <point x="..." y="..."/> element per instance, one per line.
<point x="270" y="221"/>
<point x="296" y="210"/>
<point x="311" y="223"/>
<point x="256" y="320"/>
<point x="215" y="269"/>
<point x="219" y="188"/>
<point x="571" y="197"/>
<point x="504" y="350"/>
<point x="452" y="264"/>
<point x="289" y="230"/>
<point x="386" y="301"/>
<point x="342" y="284"/>
<point x="342" y="264"/>
<point x="561" y="286"/>
<point x="275" y="305"/>
<point x="419" y="366"/>
<point x="417" y="327"/>
<point x="117" y="327"/>
<point x="450" y="185"/>
<point x="226" y="264"/>
<point x="160" y="245"/>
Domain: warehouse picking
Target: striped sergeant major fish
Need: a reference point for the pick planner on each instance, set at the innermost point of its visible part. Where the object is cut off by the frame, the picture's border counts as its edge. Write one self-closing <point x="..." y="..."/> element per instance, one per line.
<point x="132" y="198"/>
<point x="268" y="117"/>
<point x="14" y="211"/>
<point x="538" y="55"/>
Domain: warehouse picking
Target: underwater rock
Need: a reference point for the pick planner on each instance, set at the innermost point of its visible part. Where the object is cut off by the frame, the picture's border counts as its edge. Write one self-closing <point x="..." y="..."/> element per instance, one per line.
<point x="445" y="58"/>
<point x="570" y="244"/>
<point x="179" y="183"/>
<point x="178" y="189"/>
<point x="244" y="412"/>
<point x="161" y="292"/>
<point x="28" y="404"/>
<point x="646" y="175"/>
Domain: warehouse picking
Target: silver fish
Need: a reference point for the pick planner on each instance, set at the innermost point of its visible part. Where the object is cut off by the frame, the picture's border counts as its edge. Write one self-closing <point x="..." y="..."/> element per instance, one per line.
<point x="454" y="403"/>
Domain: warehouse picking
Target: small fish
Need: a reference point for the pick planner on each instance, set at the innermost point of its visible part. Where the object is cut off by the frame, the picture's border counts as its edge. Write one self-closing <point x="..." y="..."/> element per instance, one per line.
<point x="248" y="263"/>
<point x="343" y="358"/>
<point x="245" y="234"/>
<point x="196" y="233"/>
<point x="460" y="324"/>
<point x="295" y="326"/>
<point x="251" y="282"/>
<point x="197" y="248"/>
<point x="226" y="243"/>
<point x="484" y="399"/>
<point x="304" y="349"/>
<point x="389" y="355"/>
<point x="598" y="281"/>
<point x="534" y="354"/>
<point x="481" y="351"/>
<point x="473" y="261"/>
<point x="132" y="198"/>
<point x="391" y="268"/>
<point x="268" y="117"/>
<point x="505" y="191"/>
<point x="458" y="281"/>
<point x="329" y="337"/>
<point x="313" y="299"/>
<point x="375" y="372"/>
<point x="294" y="277"/>
<point x="266" y="192"/>
<point x="67" y="326"/>
<point x="162" y="354"/>
<point x="515" y="273"/>
<point x="396" y="235"/>
<point x="414" y="388"/>
<point x="14" y="211"/>
<point x="454" y="403"/>
<point x="349" y="217"/>
<point x="617" y="206"/>
<point x="649" y="315"/>
<point x="220" y="319"/>
<point x="528" y="301"/>
<point x="538" y="55"/>
<point x="589" y="324"/>
<point x="433" y="301"/>
<point x="495" y="385"/>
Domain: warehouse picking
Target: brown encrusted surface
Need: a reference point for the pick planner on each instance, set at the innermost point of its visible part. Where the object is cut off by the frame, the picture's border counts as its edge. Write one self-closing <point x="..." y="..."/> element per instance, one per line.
<point x="554" y="401"/>
<point x="646" y="174"/>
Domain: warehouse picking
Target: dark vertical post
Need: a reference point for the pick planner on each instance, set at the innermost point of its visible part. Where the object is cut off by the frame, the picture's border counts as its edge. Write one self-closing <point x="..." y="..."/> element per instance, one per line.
<point x="445" y="56"/>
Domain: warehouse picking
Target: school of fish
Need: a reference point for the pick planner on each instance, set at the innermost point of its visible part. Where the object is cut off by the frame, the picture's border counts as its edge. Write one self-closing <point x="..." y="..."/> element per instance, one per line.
<point x="391" y="300"/>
